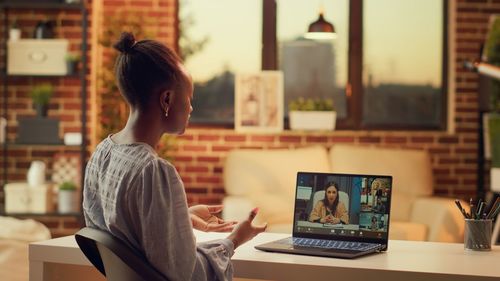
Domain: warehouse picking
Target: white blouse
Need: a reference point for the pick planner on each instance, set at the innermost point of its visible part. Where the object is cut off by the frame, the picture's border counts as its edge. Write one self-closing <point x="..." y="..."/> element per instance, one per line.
<point x="138" y="197"/>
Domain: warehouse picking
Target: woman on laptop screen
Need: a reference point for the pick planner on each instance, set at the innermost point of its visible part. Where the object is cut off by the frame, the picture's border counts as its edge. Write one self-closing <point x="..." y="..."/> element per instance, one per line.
<point x="330" y="210"/>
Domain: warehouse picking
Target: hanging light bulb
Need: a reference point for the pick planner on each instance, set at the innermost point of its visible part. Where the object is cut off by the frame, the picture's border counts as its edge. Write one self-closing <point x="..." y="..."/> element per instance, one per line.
<point x="321" y="29"/>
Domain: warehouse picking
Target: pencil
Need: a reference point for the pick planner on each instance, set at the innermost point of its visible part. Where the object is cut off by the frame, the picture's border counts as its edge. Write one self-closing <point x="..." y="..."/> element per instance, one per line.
<point x="493" y="208"/>
<point x="457" y="202"/>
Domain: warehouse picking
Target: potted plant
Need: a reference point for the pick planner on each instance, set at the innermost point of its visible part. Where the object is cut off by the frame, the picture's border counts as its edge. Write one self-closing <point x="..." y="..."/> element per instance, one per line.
<point x="312" y="114"/>
<point x="67" y="199"/>
<point x="14" y="31"/>
<point x="492" y="55"/>
<point x="72" y="60"/>
<point x="41" y="95"/>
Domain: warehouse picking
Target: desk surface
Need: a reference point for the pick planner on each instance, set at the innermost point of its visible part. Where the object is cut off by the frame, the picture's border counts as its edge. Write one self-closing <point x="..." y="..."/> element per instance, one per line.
<point x="405" y="259"/>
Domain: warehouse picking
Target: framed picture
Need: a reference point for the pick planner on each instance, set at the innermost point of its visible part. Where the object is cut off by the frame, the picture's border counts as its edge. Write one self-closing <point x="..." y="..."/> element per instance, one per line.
<point x="259" y="102"/>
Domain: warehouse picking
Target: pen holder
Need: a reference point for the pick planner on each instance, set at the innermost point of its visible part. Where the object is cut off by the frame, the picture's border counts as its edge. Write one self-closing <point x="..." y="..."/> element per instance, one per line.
<point x="477" y="235"/>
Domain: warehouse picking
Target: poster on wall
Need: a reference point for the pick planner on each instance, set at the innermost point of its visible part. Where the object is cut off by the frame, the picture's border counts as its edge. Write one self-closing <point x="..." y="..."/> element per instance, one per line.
<point x="259" y="102"/>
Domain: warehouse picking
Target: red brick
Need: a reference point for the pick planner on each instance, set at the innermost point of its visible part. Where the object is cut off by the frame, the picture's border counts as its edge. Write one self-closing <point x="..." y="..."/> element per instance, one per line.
<point x="208" y="159"/>
<point x="342" y="139"/>
<point x="462" y="171"/>
<point x="447" y="181"/>
<point x="449" y="161"/>
<point x="218" y="190"/>
<point x="260" y="138"/>
<point x="196" y="169"/>
<point x="316" y="139"/>
<point x="201" y="179"/>
<point x="391" y="139"/>
<point x="235" y="138"/>
<point x="422" y="139"/>
<point x="448" y="140"/>
<point x="194" y="148"/>
<point x="218" y="148"/>
<point x="194" y="190"/>
<point x="369" y="139"/>
<point x="289" y="139"/>
<point x="186" y="137"/>
<point x="208" y="137"/>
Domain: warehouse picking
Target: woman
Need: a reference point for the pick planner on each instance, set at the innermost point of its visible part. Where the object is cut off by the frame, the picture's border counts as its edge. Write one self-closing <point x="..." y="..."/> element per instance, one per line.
<point x="330" y="209"/>
<point x="374" y="225"/>
<point x="138" y="197"/>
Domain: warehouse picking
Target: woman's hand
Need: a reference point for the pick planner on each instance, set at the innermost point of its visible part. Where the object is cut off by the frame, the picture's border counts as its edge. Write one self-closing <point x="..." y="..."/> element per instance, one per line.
<point x="331" y="219"/>
<point x="245" y="230"/>
<point x="203" y="219"/>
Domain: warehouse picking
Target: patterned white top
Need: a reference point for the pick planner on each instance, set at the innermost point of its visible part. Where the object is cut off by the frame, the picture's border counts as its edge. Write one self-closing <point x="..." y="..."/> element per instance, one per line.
<point x="138" y="197"/>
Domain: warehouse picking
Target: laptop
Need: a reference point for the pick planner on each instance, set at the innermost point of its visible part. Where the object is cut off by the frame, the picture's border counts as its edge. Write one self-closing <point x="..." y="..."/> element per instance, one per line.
<point x="358" y="226"/>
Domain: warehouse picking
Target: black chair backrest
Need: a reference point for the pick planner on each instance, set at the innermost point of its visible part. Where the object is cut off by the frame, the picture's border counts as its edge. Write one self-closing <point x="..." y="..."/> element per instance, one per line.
<point x="113" y="258"/>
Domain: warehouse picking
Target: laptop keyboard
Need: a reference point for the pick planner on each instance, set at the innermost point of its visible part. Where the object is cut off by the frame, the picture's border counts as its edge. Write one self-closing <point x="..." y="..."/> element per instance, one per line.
<point x="329" y="244"/>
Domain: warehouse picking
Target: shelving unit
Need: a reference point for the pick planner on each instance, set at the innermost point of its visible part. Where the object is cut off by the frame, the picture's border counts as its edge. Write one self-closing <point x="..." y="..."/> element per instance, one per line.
<point x="6" y="7"/>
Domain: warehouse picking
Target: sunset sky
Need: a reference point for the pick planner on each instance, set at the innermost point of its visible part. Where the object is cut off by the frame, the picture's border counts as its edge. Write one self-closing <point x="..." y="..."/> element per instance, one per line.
<point x="402" y="38"/>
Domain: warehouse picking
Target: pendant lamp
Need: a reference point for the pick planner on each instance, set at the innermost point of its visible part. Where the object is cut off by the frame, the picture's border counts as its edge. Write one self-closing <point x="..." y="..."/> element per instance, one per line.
<point x="321" y="29"/>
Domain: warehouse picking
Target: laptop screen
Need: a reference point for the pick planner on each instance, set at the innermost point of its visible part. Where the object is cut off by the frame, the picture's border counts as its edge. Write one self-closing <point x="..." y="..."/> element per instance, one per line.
<point x="342" y="205"/>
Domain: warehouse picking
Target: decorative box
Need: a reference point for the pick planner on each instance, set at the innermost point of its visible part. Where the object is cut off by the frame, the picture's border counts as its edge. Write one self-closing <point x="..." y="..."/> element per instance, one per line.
<point x="37" y="57"/>
<point x="21" y="198"/>
<point x="38" y="131"/>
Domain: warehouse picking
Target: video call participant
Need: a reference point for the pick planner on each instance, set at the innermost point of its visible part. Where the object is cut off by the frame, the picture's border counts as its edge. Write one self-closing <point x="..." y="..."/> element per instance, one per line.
<point x="330" y="209"/>
<point x="380" y="207"/>
<point x="374" y="225"/>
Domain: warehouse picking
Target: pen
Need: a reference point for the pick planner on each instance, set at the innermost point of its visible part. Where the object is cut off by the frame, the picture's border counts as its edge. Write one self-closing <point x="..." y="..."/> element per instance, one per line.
<point x="471" y="209"/>
<point x="457" y="202"/>
<point x="493" y="208"/>
<point x="495" y="213"/>
<point x="480" y="209"/>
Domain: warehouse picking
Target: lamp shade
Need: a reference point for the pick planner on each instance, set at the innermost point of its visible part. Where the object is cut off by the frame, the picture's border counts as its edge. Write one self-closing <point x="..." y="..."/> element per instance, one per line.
<point x="321" y="29"/>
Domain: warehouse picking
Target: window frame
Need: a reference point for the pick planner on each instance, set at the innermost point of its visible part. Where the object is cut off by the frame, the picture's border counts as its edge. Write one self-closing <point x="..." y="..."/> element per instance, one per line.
<point x="354" y="87"/>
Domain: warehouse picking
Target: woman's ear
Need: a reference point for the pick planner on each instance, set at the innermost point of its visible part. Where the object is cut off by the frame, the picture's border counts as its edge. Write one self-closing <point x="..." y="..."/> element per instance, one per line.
<point x="165" y="100"/>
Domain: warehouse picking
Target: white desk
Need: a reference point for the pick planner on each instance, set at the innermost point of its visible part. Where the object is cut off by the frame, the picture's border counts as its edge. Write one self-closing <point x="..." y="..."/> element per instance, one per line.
<point x="405" y="260"/>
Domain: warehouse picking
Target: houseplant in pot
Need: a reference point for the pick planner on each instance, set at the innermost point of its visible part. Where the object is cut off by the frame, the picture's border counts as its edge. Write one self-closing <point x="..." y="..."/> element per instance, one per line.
<point x="72" y="60"/>
<point x="312" y="114"/>
<point x="492" y="56"/>
<point x="67" y="198"/>
<point x="41" y="95"/>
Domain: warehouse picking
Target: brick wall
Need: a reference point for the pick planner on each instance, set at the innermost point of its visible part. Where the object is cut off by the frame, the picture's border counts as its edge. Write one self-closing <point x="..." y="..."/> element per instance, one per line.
<point x="64" y="104"/>
<point x="201" y="152"/>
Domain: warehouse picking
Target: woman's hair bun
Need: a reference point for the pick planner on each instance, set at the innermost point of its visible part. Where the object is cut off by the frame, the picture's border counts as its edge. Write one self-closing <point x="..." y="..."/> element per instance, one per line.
<point x="126" y="42"/>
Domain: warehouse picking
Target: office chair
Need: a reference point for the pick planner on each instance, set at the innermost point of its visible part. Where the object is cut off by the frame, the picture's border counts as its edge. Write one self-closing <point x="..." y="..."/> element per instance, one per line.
<point x="113" y="258"/>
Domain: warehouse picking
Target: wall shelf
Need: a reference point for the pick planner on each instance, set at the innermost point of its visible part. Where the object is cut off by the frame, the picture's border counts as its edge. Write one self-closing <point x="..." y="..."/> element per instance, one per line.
<point x="40" y="5"/>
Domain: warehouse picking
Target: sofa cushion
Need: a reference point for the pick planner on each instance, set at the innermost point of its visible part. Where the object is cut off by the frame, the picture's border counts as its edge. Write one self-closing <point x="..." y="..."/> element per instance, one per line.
<point x="268" y="178"/>
<point x="399" y="230"/>
<point x="411" y="171"/>
<point x="257" y="171"/>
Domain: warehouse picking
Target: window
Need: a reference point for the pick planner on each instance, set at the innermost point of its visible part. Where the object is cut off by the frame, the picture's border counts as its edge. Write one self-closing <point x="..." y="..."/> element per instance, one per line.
<point x="385" y="69"/>
<point x="315" y="69"/>
<point x="402" y="63"/>
<point x="228" y="33"/>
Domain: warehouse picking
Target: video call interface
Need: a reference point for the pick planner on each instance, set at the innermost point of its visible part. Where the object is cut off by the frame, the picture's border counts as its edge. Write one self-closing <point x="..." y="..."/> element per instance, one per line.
<point x="342" y="205"/>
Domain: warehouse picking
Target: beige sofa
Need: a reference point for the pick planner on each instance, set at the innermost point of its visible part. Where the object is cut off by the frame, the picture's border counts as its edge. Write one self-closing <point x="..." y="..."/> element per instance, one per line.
<point x="266" y="179"/>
